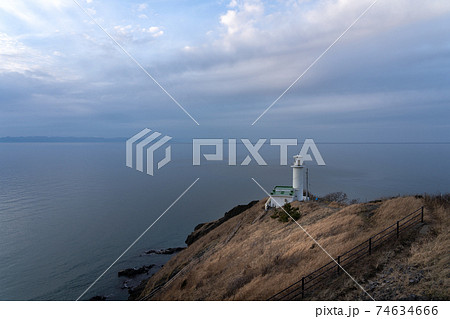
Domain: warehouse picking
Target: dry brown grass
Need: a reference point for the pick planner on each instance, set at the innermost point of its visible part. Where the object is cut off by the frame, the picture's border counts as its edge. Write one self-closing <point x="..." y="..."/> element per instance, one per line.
<point x="264" y="256"/>
<point x="431" y="252"/>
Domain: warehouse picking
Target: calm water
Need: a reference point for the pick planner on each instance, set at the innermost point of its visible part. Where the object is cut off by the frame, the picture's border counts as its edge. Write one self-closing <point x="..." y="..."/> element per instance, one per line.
<point x="67" y="211"/>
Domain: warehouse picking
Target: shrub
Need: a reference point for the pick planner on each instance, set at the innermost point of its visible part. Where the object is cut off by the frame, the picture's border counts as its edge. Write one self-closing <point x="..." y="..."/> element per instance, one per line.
<point x="281" y="215"/>
<point x="435" y="201"/>
<point x="338" y="197"/>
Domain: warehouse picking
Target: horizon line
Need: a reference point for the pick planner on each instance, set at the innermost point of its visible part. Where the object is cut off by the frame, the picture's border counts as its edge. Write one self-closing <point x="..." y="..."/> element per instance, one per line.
<point x="96" y="139"/>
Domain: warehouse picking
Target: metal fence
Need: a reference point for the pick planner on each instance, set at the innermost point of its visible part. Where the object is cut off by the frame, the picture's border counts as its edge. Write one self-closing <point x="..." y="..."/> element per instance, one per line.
<point x="310" y="281"/>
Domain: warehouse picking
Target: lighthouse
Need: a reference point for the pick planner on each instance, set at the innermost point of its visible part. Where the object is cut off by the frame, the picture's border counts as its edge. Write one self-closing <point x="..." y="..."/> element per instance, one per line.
<point x="297" y="178"/>
<point x="287" y="194"/>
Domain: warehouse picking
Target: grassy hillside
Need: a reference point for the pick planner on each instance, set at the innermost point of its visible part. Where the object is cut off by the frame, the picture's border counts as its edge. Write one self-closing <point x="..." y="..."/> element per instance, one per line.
<point x="252" y="256"/>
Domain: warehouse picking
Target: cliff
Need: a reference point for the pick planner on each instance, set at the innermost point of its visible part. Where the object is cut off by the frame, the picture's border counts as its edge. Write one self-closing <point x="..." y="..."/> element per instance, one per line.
<point x="251" y="256"/>
<point x="202" y="229"/>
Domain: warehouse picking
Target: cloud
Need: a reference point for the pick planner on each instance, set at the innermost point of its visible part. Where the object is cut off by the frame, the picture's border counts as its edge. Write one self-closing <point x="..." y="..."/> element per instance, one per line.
<point x="19" y="58"/>
<point x="154" y="31"/>
<point x="240" y="23"/>
<point x="252" y="23"/>
<point x="256" y="45"/>
<point x="91" y="11"/>
<point x="142" y="7"/>
<point x="31" y="13"/>
<point x="254" y="49"/>
<point x="136" y="34"/>
<point x="378" y="101"/>
<point x="19" y="10"/>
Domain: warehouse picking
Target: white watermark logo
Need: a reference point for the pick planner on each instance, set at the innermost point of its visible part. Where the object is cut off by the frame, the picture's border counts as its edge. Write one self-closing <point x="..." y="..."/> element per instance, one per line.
<point x="253" y="150"/>
<point x="146" y="142"/>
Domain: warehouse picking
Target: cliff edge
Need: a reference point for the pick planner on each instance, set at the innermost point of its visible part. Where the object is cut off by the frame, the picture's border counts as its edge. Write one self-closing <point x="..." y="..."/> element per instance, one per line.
<point x="251" y="256"/>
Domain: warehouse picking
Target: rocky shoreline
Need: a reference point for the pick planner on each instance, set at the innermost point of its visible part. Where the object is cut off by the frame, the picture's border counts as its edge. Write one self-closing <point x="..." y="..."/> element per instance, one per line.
<point x="167" y="251"/>
<point x="137" y="277"/>
<point x="133" y="272"/>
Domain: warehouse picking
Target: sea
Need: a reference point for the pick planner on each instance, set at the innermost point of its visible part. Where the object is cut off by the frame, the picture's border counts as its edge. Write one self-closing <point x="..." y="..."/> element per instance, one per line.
<point x="69" y="210"/>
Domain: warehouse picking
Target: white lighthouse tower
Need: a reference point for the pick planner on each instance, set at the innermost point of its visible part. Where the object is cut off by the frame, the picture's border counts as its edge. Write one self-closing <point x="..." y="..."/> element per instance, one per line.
<point x="297" y="178"/>
<point x="287" y="194"/>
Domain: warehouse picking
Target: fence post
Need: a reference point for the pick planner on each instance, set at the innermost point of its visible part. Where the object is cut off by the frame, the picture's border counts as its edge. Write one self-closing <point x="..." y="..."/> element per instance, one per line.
<point x="421" y="216"/>
<point x="370" y="246"/>
<point x="398" y="228"/>
<point x="339" y="263"/>
<point x="303" y="287"/>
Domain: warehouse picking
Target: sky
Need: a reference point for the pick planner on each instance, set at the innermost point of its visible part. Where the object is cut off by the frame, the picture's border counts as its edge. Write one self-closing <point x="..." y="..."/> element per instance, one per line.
<point x="225" y="62"/>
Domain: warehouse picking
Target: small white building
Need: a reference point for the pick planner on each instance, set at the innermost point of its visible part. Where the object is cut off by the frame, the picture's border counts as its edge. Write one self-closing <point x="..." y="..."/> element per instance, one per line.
<point x="281" y="195"/>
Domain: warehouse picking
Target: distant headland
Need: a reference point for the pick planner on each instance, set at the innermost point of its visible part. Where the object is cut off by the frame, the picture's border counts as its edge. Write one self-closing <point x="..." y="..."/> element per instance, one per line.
<point x="60" y="139"/>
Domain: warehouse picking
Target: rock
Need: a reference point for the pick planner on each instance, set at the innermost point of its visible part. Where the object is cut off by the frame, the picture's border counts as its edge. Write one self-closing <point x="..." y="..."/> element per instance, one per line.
<point x="202" y="229"/>
<point x="167" y="251"/>
<point x="125" y="285"/>
<point x="132" y="272"/>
